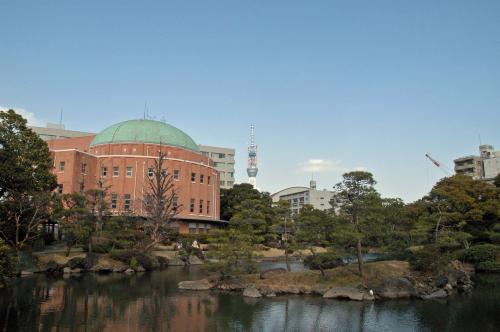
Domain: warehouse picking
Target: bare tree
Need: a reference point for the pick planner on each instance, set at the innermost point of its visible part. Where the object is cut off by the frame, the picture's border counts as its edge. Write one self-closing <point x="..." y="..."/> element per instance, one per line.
<point x="25" y="213"/>
<point x="160" y="202"/>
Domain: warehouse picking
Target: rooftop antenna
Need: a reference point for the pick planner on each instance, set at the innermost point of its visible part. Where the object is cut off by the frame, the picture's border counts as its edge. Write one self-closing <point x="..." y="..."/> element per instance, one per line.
<point x="480" y="142"/>
<point x="145" y="109"/>
<point x="61" y="116"/>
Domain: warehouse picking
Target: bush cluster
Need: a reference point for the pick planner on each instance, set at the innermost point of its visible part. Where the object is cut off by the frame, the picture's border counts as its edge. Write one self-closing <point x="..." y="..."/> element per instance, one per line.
<point x="479" y="254"/>
<point x="8" y="261"/>
<point x="133" y="258"/>
<point x="429" y="259"/>
<point x="327" y="260"/>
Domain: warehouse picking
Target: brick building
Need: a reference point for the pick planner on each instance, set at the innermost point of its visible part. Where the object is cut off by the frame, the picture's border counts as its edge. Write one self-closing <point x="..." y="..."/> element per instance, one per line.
<point x="121" y="157"/>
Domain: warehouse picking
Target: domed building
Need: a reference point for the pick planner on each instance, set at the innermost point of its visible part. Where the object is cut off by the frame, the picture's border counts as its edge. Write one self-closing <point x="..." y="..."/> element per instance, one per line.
<point x="120" y="159"/>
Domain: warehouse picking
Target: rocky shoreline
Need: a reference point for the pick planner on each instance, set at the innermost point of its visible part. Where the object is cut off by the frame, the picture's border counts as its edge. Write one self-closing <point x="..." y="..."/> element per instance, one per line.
<point x="398" y="283"/>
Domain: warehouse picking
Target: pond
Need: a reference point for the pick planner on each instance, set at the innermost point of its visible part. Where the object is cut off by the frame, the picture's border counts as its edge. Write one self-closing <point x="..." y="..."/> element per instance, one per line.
<point x="152" y="302"/>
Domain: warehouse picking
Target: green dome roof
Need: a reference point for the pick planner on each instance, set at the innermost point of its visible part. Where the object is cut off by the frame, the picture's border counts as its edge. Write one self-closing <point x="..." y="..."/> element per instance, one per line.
<point x="145" y="131"/>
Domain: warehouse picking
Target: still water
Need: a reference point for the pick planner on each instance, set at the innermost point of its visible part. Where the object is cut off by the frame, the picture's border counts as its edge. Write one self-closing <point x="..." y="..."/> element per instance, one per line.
<point x="152" y="302"/>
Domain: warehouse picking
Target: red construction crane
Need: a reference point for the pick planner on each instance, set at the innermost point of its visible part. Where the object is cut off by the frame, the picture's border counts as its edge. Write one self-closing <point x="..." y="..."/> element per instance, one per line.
<point x="438" y="164"/>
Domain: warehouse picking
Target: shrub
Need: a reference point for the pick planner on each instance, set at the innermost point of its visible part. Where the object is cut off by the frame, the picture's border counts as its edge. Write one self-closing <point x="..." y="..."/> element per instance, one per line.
<point x="495" y="238"/>
<point x="328" y="260"/>
<point x="133" y="258"/>
<point x="489" y="266"/>
<point x="480" y="253"/>
<point x="8" y="261"/>
<point x="428" y="258"/>
<point x="134" y="263"/>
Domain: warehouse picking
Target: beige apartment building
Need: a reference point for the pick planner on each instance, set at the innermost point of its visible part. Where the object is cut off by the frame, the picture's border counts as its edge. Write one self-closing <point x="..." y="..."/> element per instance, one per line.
<point x="485" y="167"/>
<point x="223" y="162"/>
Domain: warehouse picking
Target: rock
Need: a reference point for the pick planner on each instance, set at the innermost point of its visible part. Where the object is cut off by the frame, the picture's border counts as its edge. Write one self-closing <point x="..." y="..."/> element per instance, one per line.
<point x="76" y="262"/>
<point x="394" y="288"/>
<point x="119" y="269"/>
<point x="103" y="269"/>
<point x="272" y="273"/>
<point x="193" y="260"/>
<point x="176" y="261"/>
<point x="251" y="291"/>
<point x="441" y="281"/>
<point x="439" y="294"/>
<point x="53" y="268"/>
<point x="231" y="285"/>
<point x="203" y="284"/>
<point x="76" y="270"/>
<point x="129" y="271"/>
<point x="26" y="273"/>
<point x="67" y="270"/>
<point x="448" y="287"/>
<point x="319" y="289"/>
<point x="271" y="295"/>
<point x="349" y="293"/>
<point x="140" y="269"/>
<point x="459" y="273"/>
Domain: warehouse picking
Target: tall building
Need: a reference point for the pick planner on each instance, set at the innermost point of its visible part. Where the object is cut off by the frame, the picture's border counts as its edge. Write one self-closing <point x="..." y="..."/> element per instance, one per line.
<point x="252" y="169"/>
<point x="299" y="196"/>
<point x="486" y="166"/>
<point x="223" y="162"/>
<point x="57" y="131"/>
<point x="121" y="158"/>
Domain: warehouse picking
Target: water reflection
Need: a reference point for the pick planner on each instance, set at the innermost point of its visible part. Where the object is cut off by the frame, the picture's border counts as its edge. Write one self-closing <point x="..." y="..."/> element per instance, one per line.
<point x="151" y="302"/>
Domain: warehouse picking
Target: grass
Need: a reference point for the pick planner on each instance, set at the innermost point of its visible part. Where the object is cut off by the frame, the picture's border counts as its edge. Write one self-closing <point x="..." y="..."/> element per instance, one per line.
<point x="374" y="272"/>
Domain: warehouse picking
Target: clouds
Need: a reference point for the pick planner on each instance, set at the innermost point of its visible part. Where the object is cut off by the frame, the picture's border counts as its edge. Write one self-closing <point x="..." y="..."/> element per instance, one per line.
<point x="29" y="116"/>
<point x="326" y="166"/>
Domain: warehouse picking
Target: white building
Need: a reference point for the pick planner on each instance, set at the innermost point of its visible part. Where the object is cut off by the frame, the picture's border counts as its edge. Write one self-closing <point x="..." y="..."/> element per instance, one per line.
<point x="223" y="161"/>
<point x="299" y="196"/>
<point x="486" y="166"/>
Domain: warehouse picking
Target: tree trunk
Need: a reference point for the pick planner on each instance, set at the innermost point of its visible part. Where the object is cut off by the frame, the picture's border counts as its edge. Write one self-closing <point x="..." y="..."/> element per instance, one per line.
<point x="360" y="258"/>
<point x="288" y="268"/>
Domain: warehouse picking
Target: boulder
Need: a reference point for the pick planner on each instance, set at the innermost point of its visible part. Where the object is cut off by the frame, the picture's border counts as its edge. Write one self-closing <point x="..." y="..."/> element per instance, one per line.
<point x="103" y="269"/>
<point x="203" y="284"/>
<point x="129" y="271"/>
<point x="441" y="281"/>
<point x="319" y="289"/>
<point x="349" y="293"/>
<point x="394" y="288"/>
<point x="439" y="294"/>
<point x="67" y="270"/>
<point x="120" y="269"/>
<point x="53" y="268"/>
<point x="76" y="270"/>
<point x="193" y="260"/>
<point x="26" y="273"/>
<point x="268" y="274"/>
<point x="176" y="261"/>
<point x="252" y="291"/>
<point x="140" y="269"/>
<point x="76" y="262"/>
<point x="459" y="273"/>
<point x="231" y="285"/>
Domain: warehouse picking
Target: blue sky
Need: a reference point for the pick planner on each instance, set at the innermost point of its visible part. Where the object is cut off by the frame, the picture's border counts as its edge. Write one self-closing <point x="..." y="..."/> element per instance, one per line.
<point x="330" y="85"/>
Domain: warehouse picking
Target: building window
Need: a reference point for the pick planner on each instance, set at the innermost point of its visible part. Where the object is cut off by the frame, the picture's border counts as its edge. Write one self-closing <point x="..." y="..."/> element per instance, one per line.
<point x="116" y="171"/>
<point x="191" y="206"/>
<point x="222" y="155"/>
<point x="150" y="172"/>
<point x="114" y="200"/>
<point x="200" y="207"/>
<point x="176" y="174"/>
<point x="208" y="179"/>
<point x="202" y="178"/>
<point x="82" y="187"/>
<point x="59" y="188"/>
<point x="84" y="168"/>
<point x="193" y="177"/>
<point x="222" y="183"/>
<point x="230" y="183"/>
<point x="104" y="171"/>
<point x="174" y="203"/>
<point x="205" y="154"/>
<point x="62" y="165"/>
<point x="192" y="228"/>
<point x="126" y="204"/>
<point x="128" y="172"/>
<point x="208" y="207"/>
